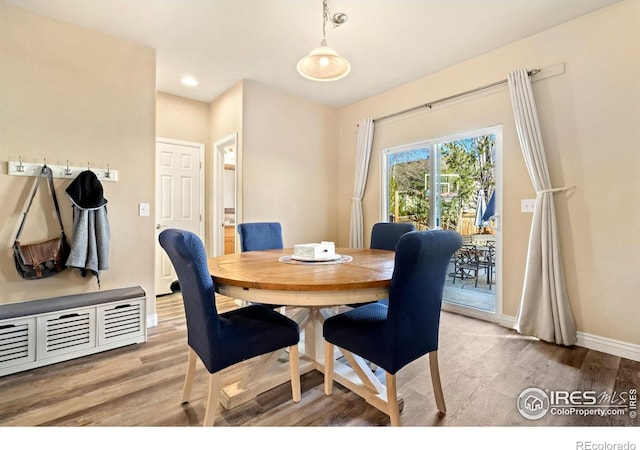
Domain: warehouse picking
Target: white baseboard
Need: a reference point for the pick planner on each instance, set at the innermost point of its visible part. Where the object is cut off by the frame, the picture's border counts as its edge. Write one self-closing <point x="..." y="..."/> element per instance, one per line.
<point x="607" y="345"/>
<point x="592" y="342"/>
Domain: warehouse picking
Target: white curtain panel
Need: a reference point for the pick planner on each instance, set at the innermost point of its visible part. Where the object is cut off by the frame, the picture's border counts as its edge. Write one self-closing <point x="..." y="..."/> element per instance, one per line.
<point x="363" y="154"/>
<point x="544" y="310"/>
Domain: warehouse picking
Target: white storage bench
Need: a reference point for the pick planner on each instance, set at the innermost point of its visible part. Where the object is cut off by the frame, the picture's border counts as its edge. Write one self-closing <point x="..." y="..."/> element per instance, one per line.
<point x="41" y="332"/>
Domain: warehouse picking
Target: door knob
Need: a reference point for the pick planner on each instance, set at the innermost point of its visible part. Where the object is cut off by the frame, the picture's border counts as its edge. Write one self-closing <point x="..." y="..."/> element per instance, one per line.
<point x="158" y="226"/>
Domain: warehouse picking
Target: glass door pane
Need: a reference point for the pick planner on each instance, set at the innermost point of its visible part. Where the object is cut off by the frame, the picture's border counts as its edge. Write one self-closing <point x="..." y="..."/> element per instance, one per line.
<point x="469" y="166"/>
<point x="467" y="182"/>
<point x="408" y="187"/>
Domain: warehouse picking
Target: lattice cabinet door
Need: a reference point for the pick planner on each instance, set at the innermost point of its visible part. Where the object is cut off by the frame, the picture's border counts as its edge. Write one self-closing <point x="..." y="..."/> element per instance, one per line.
<point x="17" y="342"/>
<point x="66" y="332"/>
<point x="121" y="321"/>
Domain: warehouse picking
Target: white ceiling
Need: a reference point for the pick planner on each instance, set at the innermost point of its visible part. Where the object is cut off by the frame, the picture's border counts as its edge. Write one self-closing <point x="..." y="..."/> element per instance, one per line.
<point x="388" y="42"/>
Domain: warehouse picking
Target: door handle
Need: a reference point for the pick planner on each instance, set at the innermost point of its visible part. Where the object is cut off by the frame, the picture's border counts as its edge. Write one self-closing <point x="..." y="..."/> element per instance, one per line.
<point x="158" y="226"/>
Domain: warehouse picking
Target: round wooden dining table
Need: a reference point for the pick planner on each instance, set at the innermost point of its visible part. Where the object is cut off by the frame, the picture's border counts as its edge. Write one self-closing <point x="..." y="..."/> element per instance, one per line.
<point x="316" y="290"/>
<point x="274" y="277"/>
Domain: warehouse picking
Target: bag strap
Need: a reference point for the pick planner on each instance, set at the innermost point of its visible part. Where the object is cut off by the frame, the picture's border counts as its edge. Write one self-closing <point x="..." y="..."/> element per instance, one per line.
<point x="46" y="171"/>
<point x="55" y="199"/>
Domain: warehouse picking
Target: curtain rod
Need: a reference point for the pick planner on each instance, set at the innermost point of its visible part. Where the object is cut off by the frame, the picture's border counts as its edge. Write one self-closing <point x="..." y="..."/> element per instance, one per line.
<point x="429" y="105"/>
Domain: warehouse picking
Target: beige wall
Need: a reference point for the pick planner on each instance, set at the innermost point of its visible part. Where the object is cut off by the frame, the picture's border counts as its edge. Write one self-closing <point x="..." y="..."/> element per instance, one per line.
<point x="225" y="120"/>
<point x="289" y="164"/>
<point x="590" y="120"/>
<point x="182" y="119"/>
<point x="188" y="120"/>
<point x="226" y="113"/>
<point x="287" y="156"/>
<point x="71" y="94"/>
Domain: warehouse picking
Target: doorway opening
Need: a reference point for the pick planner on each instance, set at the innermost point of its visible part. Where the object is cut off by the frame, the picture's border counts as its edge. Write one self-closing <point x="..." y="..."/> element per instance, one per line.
<point x="450" y="183"/>
<point x="226" y="195"/>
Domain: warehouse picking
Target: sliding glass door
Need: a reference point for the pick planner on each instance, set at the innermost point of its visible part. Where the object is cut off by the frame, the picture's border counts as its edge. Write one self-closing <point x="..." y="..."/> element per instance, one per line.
<point x="450" y="183"/>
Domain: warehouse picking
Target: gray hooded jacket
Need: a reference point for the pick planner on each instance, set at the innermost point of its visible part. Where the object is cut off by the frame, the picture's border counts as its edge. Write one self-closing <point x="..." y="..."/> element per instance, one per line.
<point x="91" y="233"/>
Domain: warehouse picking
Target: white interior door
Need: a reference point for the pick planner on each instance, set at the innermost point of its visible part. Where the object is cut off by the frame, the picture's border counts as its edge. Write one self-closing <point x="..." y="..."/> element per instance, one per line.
<point x="179" y="199"/>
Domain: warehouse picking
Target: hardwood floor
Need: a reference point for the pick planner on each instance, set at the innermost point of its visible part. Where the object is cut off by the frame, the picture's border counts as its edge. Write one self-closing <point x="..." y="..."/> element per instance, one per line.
<point x="483" y="367"/>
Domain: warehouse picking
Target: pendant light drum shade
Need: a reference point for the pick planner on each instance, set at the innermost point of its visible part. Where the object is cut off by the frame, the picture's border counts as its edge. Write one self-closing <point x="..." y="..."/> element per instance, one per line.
<point x="323" y="64"/>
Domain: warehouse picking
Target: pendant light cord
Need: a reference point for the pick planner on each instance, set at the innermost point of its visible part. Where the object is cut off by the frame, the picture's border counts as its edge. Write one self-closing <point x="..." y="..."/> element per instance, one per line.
<point x="325" y="18"/>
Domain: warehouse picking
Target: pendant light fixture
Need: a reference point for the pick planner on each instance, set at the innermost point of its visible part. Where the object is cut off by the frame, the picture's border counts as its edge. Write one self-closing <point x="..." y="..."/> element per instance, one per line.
<point x="324" y="63"/>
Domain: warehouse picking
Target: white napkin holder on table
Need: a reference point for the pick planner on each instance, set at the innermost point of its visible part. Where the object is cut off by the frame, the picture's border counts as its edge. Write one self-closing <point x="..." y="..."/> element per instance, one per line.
<point x="322" y="250"/>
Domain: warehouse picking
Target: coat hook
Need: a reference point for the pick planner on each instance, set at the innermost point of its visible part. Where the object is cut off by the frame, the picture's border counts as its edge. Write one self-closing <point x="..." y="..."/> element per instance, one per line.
<point x="20" y="167"/>
<point x="67" y="171"/>
<point x="88" y="166"/>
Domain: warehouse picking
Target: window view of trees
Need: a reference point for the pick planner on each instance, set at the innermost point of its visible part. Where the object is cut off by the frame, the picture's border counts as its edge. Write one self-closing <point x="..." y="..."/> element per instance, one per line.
<point x="408" y="187"/>
<point x="466" y="178"/>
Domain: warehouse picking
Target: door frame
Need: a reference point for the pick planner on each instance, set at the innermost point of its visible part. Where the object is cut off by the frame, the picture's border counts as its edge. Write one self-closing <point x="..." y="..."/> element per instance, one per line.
<point x="216" y="246"/>
<point x="498" y="130"/>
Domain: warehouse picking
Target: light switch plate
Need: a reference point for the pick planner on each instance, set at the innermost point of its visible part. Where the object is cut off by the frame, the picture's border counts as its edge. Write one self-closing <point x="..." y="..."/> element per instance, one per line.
<point x="527" y="205"/>
<point x="143" y="209"/>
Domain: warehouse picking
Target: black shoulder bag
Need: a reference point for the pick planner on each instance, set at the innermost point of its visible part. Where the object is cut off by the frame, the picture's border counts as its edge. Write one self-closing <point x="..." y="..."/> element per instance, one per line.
<point x="42" y="259"/>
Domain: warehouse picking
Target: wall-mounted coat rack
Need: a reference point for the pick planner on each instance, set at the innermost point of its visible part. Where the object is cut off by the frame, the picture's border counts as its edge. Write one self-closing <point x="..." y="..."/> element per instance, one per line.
<point x="32" y="169"/>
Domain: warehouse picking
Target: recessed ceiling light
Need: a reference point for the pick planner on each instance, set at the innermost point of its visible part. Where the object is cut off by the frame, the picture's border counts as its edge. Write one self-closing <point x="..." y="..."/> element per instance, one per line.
<point x="188" y="80"/>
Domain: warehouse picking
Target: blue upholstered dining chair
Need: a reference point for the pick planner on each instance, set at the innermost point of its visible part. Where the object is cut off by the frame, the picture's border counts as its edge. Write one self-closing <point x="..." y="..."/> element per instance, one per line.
<point x="222" y="340"/>
<point x="393" y="336"/>
<point x="260" y="236"/>
<point x="385" y="235"/>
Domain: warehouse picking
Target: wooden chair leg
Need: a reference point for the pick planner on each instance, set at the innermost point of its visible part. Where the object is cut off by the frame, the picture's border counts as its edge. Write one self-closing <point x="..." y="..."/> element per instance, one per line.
<point x="435" y="380"/>
<point x="328" y="368"/>
<point x="294" y="367"/>
<point x="212" y="400"/>
<point x="392" y="400"/>
<point x="188" y="380"/>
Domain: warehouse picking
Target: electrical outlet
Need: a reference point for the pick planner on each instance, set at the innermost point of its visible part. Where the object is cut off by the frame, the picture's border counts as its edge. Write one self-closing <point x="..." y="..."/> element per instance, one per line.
<point x="527" y="205"/>
<point x="143" y="209"/>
